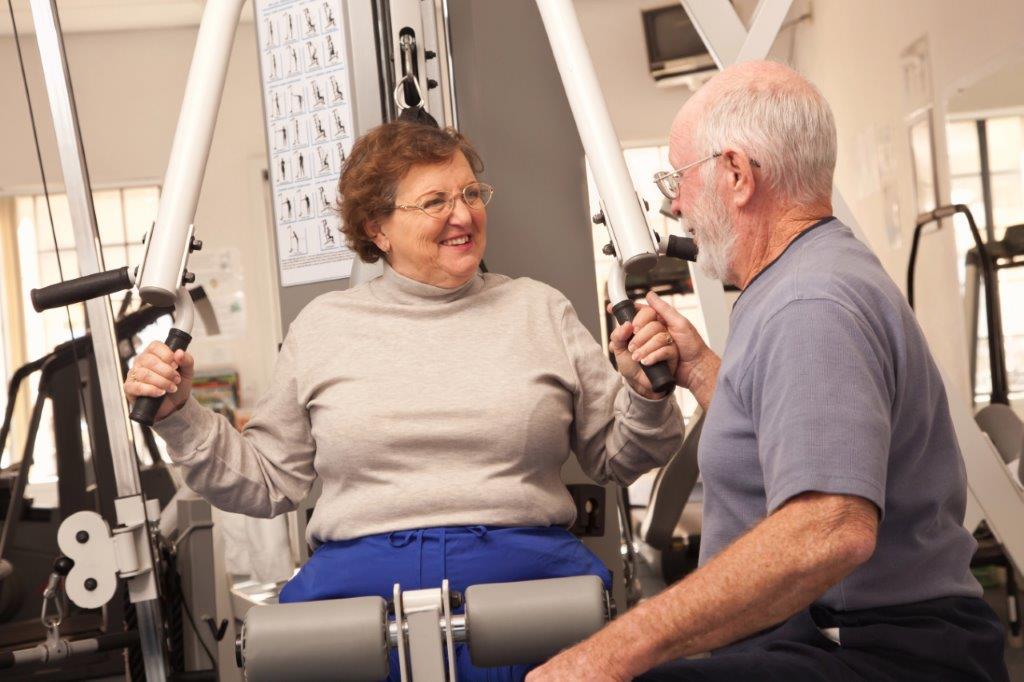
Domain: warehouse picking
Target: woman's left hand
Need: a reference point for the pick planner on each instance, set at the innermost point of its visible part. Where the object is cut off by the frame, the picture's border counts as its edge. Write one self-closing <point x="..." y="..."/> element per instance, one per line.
<point x="642" y="342"/>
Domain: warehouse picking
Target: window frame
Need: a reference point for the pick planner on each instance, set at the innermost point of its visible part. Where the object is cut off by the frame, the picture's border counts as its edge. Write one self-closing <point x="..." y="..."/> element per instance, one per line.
<point x="19" y="348"/>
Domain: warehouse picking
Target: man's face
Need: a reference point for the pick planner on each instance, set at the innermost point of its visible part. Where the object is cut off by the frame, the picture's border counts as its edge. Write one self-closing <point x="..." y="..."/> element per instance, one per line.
<point x="703" y="211"/>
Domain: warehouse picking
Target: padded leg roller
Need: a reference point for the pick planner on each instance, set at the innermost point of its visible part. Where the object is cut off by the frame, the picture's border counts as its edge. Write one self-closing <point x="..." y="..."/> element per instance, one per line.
<point x="527" y="622"/>
<point x="338" y="639"/>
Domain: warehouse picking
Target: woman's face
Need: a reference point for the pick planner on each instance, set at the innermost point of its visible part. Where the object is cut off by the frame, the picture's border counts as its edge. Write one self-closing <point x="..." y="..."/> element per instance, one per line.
<point x="444" y="251"/>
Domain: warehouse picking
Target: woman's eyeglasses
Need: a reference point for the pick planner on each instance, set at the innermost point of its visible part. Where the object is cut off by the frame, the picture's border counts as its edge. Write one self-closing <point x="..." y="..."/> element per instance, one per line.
<point x="476" y="195"/>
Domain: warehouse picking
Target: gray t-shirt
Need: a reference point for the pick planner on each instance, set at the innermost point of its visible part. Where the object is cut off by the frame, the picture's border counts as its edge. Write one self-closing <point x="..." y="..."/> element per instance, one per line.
<point x="827" y="385"/>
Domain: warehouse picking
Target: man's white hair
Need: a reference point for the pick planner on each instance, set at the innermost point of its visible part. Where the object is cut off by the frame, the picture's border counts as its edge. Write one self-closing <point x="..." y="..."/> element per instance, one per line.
<point x="787" y="127"/>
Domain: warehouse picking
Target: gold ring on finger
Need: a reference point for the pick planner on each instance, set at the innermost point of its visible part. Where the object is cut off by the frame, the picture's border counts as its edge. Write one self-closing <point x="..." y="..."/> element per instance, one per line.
<point x="668" y="339"/>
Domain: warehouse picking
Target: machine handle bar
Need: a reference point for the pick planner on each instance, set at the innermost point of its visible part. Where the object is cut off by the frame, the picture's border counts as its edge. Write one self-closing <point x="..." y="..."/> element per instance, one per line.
<point x="145" y="407"/>
<point x="681" y="247"/>
<point x="659" y="374"/>
<point x="81" y="289"/>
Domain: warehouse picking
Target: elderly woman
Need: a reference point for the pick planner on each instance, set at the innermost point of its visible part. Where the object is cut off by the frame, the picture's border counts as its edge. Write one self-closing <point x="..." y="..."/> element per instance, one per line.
<point x="436" y="404"/>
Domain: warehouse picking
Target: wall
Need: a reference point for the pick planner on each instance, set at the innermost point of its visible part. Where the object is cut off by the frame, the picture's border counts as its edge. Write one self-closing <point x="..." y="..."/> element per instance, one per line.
<point x="129" y="86"/>
<point x="852" y="52"/>
<point x="515" y="111"/>
<point x="613" y="31"/>
<point x="1002" y="89"/>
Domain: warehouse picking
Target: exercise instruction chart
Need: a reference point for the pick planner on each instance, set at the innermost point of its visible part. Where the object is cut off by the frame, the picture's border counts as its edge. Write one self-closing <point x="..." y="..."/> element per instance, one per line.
<point x="306" y="91"/>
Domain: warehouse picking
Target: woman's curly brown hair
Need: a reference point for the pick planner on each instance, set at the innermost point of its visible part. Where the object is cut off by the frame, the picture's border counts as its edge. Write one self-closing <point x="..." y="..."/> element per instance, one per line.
<point x="378" y="162"/>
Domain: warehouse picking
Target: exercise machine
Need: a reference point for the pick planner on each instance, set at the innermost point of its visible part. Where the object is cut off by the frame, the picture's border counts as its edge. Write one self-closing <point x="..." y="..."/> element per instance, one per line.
<point x="87" y="641"/>
<point x="1004" y="254"/>
<point x="997" y="420"/>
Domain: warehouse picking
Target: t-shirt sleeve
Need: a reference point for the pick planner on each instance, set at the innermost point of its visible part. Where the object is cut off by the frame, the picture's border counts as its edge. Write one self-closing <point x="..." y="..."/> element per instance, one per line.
<point x="821" y="398"/>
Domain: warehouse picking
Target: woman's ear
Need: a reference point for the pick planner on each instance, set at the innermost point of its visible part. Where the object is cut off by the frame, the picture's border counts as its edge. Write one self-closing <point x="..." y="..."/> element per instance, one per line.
<point x="377" y="236"/>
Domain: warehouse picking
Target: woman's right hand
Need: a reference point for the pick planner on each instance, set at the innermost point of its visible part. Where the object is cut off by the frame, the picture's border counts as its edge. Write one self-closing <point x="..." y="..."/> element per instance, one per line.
<point x="159" y="371"/>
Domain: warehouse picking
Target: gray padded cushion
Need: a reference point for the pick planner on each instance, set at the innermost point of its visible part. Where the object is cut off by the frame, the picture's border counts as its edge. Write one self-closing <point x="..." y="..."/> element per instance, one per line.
<point x="1004" y="427"/>
<point x="530" y="621"/>
<point x="320" y="641"/>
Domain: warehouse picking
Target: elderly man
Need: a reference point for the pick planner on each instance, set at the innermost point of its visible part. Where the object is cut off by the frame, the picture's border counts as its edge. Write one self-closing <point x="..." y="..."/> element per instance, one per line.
<point x="833" y="546"/>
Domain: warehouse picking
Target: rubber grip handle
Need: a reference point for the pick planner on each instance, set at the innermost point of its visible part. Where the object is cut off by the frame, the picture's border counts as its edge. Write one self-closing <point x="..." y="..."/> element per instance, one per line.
<point x="145" y="407"/>
<point x="681" y="247"/>
<point x="80" y="289"/>
<point x="660" y="376"/>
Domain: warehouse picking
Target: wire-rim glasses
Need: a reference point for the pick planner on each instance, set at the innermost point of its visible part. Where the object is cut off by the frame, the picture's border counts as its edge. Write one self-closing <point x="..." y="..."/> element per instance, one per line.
<point x="475" y="195"/>
<point x="668" y="181"/>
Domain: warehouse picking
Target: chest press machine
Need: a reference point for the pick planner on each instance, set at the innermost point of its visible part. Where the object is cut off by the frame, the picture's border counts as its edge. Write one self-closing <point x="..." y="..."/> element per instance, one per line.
<point x="341" y="639"/>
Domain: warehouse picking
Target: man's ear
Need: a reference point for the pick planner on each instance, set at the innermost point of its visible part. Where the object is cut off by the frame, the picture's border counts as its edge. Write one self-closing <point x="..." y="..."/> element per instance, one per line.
<point x="739" y="176"/>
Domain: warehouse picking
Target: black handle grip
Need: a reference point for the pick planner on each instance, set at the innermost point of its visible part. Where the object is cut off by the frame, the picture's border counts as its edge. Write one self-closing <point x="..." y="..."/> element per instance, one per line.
<point x="661" y="378"/>
<point x="145" y="407"/>
<point x="81" y="289"/>
<point x="681" y="247"/>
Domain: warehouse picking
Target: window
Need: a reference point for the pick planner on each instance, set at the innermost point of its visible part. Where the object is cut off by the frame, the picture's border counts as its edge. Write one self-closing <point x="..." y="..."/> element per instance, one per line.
<point x="123" y="217"/>
<point x="986" y="161"/>
<point x="5" y="364"/>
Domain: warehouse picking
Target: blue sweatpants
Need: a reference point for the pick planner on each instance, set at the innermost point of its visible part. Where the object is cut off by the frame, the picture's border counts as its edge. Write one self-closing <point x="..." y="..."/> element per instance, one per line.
<point x="422" y="558"/>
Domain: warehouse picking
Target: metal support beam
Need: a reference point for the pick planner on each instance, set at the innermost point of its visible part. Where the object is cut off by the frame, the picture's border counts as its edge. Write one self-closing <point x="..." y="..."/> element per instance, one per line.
<point x="764" y="28"/>
<point x="90" y="260"/>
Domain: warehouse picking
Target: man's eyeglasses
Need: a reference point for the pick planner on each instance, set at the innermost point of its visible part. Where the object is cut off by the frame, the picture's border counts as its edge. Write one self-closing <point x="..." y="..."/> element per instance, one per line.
<point x="476" y="195"/>
<point x="668" y="181"/>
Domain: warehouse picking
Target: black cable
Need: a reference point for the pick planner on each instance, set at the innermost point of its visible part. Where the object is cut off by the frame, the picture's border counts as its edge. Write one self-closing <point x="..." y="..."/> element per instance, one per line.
<point x="46" y="194"/>
<point x="39" y="155"/>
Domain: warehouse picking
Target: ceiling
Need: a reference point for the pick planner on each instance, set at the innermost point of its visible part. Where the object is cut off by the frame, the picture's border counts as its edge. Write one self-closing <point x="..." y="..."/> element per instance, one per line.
<point x="80" y="16"/>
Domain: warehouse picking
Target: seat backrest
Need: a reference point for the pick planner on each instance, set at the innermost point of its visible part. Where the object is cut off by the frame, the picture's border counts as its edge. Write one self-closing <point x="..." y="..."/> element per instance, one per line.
<point x="672" y="487"/>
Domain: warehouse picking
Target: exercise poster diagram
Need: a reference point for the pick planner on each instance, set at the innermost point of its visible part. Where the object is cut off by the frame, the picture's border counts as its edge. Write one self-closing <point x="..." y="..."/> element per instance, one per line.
<point x="309" y="132"/>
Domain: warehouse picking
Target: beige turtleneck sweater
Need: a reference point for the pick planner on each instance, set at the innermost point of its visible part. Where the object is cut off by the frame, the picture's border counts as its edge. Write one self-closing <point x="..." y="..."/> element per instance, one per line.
<point x="419" y="407"/>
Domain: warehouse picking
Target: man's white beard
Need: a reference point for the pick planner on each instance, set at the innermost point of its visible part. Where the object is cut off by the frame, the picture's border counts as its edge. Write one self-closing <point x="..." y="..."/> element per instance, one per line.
<point x="716" y="236"/>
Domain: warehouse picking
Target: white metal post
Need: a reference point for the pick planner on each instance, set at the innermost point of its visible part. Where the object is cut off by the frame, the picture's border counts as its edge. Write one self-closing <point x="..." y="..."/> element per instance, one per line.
<point x="624" y="215"/>
<point x="101" y="325"/>
<point x="169" y="242"/>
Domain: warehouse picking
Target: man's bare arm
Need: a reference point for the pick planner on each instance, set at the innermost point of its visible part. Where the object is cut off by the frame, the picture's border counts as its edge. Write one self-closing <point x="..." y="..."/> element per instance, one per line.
<point x="776" y="569"/>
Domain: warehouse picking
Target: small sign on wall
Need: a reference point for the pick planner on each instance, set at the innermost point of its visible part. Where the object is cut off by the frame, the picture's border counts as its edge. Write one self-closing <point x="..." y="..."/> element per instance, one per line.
<point x="308" y="118"/>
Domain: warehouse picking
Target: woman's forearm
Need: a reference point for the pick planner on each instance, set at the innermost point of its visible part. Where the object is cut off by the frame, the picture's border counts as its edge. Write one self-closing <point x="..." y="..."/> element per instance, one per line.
<point x="243" y="473"/>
